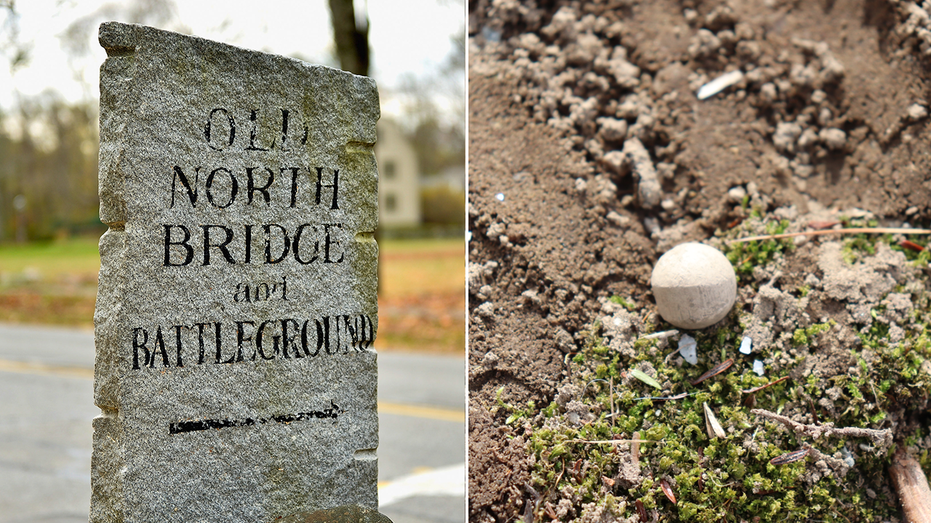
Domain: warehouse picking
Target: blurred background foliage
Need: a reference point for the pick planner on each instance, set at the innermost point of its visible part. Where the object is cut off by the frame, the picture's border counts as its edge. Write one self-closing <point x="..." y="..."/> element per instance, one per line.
<point x="49" y="221"/>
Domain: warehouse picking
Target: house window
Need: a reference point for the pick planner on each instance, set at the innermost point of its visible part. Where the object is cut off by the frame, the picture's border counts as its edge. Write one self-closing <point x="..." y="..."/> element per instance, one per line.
<point x="389" y="170"/>
<point x="390" y="203"/>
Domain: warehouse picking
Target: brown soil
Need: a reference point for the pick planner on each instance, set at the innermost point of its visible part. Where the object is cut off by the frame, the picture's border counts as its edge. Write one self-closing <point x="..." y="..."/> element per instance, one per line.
<point x="560" y="219"/>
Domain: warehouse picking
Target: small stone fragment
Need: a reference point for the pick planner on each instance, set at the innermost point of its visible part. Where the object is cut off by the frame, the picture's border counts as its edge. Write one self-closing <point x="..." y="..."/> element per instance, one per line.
<point x="616" y="162"/>
<point x="768" y="91"/>
<point x="649" y="188"/>
<point x="694" y="285"/>
<point x="688" y="349"/>
<point x="495" y="230"/>
<point x="719" y="84"/>
<point x="746" y="345"/>
<point x="613" y="129"/>
<point x="486" y="310"/>
<point x="809" y="137"/>
<point x="917" y="112"/>
<point x="737" y="194"/>
<point x="758" y="367"/>
<point x="626" y="74"/>
<point x="744" y="31"/>
<point x="833" y="138"/>
<point x="618" y="219"/>
<point x="703" y="44"/>
<point x="785" y="136"/>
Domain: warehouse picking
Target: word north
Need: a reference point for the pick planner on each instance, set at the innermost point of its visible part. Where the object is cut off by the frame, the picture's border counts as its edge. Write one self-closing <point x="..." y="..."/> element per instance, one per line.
<point x="223" y="187"/>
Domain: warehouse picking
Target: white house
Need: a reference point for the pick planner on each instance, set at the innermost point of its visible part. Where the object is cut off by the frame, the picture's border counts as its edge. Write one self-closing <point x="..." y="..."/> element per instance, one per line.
<point x="398" y="178"/>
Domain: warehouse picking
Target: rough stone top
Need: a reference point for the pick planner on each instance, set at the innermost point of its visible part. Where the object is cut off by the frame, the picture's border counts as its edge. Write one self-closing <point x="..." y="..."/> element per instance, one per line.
<point x="201" y="99"/>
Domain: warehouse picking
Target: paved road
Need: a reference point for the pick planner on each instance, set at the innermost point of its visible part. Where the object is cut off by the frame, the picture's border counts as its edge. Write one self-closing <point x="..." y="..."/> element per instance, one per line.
<point x="46" y="406"/>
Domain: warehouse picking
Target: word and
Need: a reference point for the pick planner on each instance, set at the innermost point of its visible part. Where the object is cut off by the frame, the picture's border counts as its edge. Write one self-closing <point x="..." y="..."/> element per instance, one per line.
<point x="261" y="291"/>
<point x="287" y="339"/>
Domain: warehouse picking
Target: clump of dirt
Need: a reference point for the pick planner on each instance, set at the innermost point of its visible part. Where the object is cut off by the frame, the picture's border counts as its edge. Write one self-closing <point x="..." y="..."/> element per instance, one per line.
<point x="590" y="155"/>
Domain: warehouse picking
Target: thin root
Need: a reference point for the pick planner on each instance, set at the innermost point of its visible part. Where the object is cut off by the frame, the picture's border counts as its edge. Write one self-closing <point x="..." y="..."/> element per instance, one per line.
<point x="853" y="230"/>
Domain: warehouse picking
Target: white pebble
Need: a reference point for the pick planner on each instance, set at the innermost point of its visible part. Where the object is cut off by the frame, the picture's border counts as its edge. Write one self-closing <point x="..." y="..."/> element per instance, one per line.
<point x="719" y="84"/>
<point x="500" y="196"/>
<point x="688" y="349"/>
<point x="758" y="367"/>
<point x="745" y="345"/>
<point x="917" y="112"/>
<point x="737" y="194"/>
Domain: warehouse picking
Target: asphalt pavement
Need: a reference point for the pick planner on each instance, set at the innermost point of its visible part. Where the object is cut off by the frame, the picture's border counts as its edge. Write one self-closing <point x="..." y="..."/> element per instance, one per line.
<point x="46" y="408"/>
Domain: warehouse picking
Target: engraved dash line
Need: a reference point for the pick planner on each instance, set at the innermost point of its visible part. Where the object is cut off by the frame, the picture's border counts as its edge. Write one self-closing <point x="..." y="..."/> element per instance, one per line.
<point x="180" y="427"/>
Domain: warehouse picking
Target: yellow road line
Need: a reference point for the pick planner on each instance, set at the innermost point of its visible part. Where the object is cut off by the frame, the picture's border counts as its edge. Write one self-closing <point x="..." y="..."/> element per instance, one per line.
<point x="416" y="411"/>
<point x="23" y="367"/>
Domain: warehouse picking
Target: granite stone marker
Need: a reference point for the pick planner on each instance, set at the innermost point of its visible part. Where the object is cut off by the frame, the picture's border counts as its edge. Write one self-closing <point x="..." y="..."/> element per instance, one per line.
<point x="236" y="309"/>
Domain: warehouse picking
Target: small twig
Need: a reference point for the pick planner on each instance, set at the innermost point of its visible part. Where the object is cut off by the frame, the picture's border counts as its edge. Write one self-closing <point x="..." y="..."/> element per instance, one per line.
<point x="559" y="477"/>
<point x="882" y="438"/>
<point x="718" y="369"/>
<point x="911" y="485"/>
<point x="635" y="450"/>
<point x="839" y="466"/>
<point x="611" y="441"/>
<point x="566" y="363"/>
<point x="659" y="335"/>
<point x="791" y="457"/>
<point x="582" y="394"/>
<point x="761" y="387"/>
<point x="676" y="397"/>
<point x="853" y="230"/>
<point x="611" y="391"/>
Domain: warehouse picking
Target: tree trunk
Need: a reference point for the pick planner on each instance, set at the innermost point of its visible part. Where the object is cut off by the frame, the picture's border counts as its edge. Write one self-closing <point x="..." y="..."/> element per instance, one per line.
<point x="352" y="40"/>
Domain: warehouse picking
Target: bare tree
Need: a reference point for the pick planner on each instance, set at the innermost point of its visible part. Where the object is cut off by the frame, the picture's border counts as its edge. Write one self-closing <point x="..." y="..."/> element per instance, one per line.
<point x="15" y="51"/>
<point x="161" y="13"/>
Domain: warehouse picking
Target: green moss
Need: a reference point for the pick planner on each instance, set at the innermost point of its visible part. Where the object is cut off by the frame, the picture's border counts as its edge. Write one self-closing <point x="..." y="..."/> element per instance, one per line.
<point x="731" y="478"/>
<point x="715" y="479"/>
<point x="623" y="302"/>
<point x="804" y="336"/>
<point x="744" y="256"/>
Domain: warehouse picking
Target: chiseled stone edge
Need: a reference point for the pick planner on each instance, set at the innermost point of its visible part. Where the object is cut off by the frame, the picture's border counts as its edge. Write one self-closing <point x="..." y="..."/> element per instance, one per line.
<point x="106" y="469"/>
<point x="116" y="99"/>
<point x="107" y="458"/>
